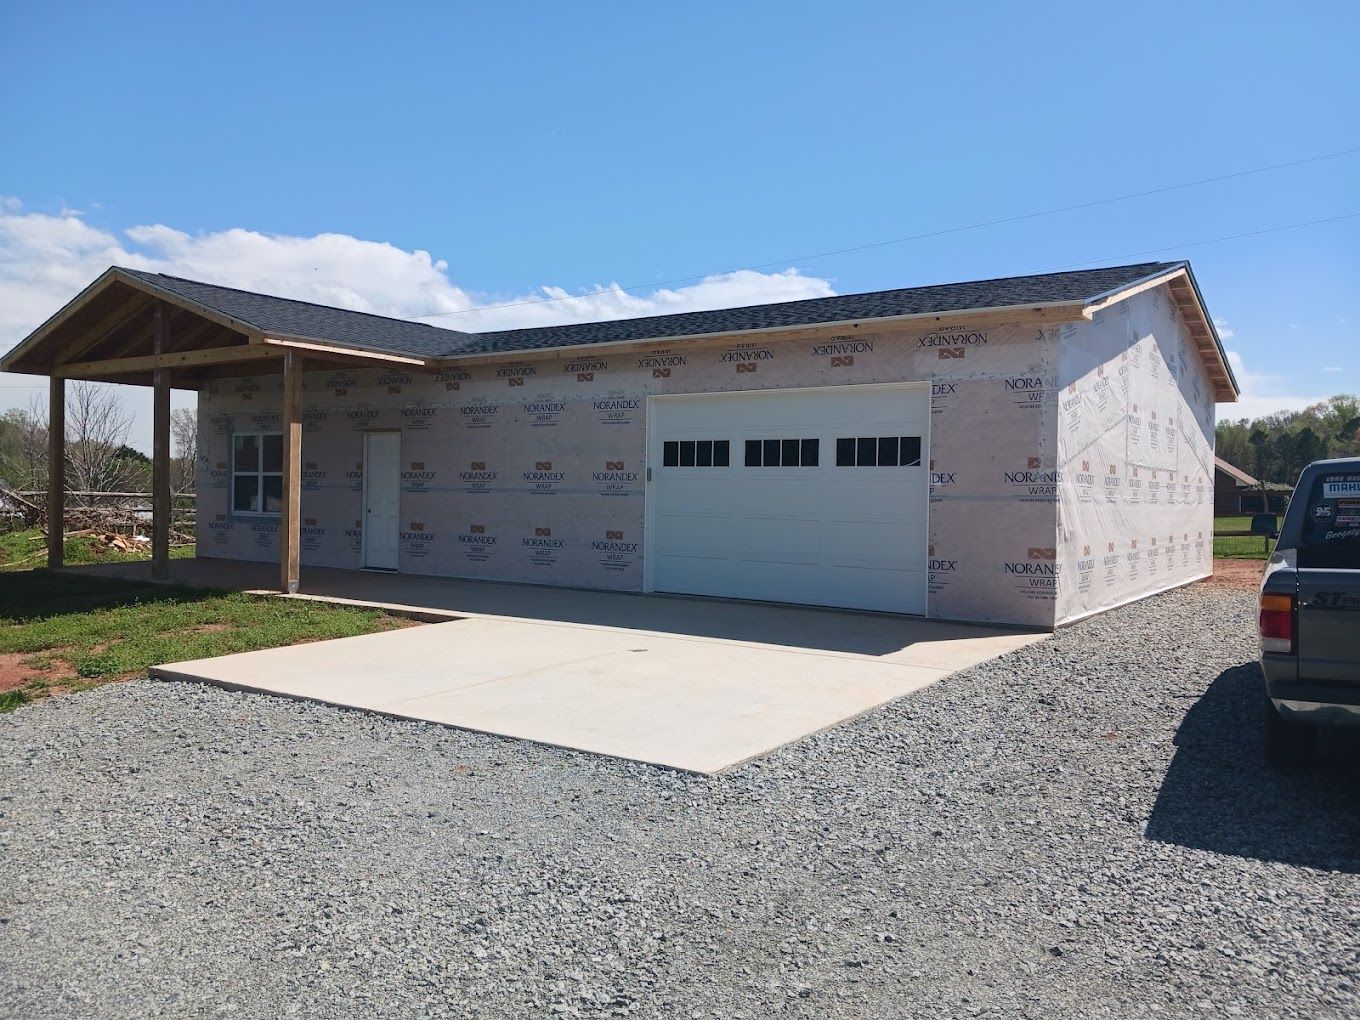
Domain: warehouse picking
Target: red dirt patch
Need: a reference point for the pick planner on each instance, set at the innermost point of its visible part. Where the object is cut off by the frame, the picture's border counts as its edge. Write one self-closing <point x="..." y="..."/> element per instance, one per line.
<point x="13" y="672"/>
<point x="1240" y="574"/>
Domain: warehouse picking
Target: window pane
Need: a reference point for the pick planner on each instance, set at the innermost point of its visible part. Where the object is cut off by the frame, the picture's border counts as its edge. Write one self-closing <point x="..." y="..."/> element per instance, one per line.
<point x="722" y="453"/>
<point x="887" y="451"/>
<point x="703" y="453"/>
<point x="866" y="451"/>
<point x="911" y="451"/>
<point x="687" y="453"/>
<point x="809" y="452"/>
<point x="753" y="453"/>
<point x="245" y="490"/>
<point x="273" y="494"/>
<point x="273" y="453"/>
<point x="845" y="453"/>
<point x="246" y="451"/>
<point x="788" y="455"/>
<point x="771" y="455"/>
<point x="670" y="453"/>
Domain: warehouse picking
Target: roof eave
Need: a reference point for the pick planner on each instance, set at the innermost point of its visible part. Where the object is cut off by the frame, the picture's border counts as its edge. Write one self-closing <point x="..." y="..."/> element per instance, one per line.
<point x="1055" y="311"/>
<point x="322" y="346"/>
<point x="1213" y="332"/>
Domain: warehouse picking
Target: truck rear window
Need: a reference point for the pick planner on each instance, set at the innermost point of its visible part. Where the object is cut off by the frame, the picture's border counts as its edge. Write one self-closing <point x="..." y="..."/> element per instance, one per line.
<point x="1331" y="525"/>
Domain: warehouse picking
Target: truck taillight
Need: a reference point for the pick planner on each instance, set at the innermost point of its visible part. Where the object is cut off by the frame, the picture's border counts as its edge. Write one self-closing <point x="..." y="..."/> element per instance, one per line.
<point x="1277" y="623"/>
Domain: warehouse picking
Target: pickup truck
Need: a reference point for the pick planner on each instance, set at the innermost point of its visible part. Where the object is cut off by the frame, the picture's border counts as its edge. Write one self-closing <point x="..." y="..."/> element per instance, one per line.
<point x="1310" y="610"/>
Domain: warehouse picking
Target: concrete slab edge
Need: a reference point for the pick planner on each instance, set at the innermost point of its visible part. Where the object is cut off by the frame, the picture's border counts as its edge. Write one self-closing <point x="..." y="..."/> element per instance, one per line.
<point x="160" y="673"/>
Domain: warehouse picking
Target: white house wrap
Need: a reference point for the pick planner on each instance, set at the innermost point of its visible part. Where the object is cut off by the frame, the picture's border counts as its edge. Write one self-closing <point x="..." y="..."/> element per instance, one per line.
<point x="1027" y="450"/>
<point x="1069" y="465"/>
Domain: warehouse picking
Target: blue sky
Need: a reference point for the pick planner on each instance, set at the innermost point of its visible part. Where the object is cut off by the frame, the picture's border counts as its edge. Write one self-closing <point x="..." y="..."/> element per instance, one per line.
<point x="321" y="149"/>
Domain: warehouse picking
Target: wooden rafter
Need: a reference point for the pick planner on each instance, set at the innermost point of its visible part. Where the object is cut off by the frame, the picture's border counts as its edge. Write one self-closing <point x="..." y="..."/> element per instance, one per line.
<point x="121" y="317"/>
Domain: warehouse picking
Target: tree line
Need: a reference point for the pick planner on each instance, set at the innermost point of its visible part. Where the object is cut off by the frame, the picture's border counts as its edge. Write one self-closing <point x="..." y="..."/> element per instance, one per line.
<point x="1279" y="446"/>
<point x="98" y="457"/>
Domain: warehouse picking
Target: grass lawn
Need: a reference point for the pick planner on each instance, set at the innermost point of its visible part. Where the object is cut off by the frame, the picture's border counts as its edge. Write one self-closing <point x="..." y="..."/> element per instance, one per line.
<point x="1252" y="547"/>
<point x="61" y="633"/>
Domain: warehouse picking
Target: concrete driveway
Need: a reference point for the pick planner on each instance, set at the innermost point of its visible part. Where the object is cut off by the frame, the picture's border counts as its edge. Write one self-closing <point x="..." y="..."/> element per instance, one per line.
<point x="673" y="684"/>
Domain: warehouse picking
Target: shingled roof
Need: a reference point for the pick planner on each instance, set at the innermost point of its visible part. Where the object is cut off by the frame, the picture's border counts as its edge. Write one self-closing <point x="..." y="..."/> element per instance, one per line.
<point x="1005" y="292"/>
<point x="265" y="319"/>
<point x="286" y="317"/>
<point x="278" y="316"/>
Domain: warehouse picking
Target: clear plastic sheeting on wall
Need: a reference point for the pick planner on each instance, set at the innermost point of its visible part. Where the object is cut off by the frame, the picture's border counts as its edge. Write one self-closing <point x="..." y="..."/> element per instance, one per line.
<point x="1136" y="439"/>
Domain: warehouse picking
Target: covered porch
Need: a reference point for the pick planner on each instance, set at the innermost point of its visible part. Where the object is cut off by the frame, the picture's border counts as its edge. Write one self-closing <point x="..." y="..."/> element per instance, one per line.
<point x="141" y="329"/>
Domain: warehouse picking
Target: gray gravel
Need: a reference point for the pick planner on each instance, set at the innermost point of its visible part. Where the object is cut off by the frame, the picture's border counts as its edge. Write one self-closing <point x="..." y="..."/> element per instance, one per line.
<point x="1083" y="828"/>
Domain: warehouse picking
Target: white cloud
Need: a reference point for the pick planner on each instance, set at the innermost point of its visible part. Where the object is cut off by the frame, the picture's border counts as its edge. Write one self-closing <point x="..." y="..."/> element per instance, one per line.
<point x="46" y="260"/>
<point x="1262" y="394"/>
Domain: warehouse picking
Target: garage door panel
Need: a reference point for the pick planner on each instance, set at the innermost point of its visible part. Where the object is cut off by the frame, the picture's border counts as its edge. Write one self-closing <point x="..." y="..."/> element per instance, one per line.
<point x="693" y="535"/>
<point x="776" y="539"/>
<point x="873" y="544"/>
<point x="771" y="497"/>
<point x="701" y="496"/>
<point x="880" y="499"/>
<point x="802" y="530"/>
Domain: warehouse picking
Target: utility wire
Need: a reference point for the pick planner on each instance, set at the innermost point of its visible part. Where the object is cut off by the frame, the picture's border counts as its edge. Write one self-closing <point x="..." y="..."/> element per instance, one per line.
<point x="1211" y="240"/>
<point x="929" y="234"/>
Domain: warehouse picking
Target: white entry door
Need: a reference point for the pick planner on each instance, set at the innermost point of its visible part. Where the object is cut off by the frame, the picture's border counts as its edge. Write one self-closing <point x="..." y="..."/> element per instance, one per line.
<point x="815" y="496"/>
<point x="382" y="496"/>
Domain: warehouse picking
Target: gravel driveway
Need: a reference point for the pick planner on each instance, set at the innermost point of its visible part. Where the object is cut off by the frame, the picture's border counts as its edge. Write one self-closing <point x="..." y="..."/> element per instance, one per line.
<point x="1082" y="828"/>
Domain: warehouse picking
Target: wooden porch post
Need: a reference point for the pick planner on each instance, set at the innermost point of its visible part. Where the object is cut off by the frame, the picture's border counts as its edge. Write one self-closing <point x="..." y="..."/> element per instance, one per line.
<point x="56" y="470"/>
<point x="160" y="453"/>
<point x="290" y="534"/>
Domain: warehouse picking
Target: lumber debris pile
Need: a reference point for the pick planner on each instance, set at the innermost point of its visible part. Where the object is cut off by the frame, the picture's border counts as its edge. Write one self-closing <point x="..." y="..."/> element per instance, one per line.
<point x="120" y="520"/>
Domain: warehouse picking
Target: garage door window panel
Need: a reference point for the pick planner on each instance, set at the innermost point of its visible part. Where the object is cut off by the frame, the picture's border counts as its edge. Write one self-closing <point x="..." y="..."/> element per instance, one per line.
<point x="782" y="452"/>
<point x="696" y="453"/>
<point x="878" y="451"/>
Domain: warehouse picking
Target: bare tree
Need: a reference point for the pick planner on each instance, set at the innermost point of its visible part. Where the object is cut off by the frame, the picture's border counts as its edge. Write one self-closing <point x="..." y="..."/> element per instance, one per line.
<point x="23" y="454"/>
<point x="97" y="427"/>
<point x="184" y="440"/>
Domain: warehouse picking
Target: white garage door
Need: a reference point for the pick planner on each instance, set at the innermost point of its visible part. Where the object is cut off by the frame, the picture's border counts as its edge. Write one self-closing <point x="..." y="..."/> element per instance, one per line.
<point x="815" y="496"/>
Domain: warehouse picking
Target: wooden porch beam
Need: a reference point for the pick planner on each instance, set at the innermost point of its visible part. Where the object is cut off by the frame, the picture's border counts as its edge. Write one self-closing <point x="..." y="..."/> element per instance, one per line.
<point x="56" y="471"/>
<point x="290" y="544"/>
<point x="160" y="452"/>
<point x="181" y="359"/>
<point x="327" y="350"/>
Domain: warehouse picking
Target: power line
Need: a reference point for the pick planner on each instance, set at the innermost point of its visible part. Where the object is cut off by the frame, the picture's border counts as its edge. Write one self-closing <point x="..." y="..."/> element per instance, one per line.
<point x="1020" y="217"/>
<point x="1211" y="240"/>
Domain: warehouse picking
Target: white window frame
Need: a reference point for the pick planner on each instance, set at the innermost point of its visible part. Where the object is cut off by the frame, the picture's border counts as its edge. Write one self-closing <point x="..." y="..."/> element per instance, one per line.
<point x="260" y="474"/>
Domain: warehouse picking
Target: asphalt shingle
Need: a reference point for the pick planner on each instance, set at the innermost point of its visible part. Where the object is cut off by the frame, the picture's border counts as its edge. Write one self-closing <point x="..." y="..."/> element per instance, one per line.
<point x="284" y="316"/>
<point x="321" y="322"/>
